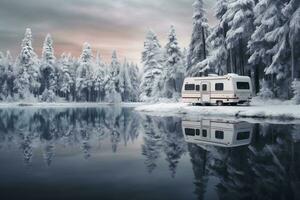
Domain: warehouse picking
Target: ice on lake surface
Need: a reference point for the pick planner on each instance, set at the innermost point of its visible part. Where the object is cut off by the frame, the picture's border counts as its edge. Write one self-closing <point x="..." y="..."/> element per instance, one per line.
<point x="117" y="153"/>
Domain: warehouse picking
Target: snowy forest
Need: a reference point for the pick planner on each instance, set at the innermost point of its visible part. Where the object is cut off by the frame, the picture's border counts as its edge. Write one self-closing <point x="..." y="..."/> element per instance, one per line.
<point x="257" y="38"/>
<point x="48" y="79"/>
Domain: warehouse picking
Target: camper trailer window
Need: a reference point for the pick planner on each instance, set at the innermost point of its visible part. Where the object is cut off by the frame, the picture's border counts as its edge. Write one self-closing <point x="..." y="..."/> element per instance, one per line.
<point x="204" y="87"/>
<point x="243" y="85"/>
<point x="189" y="87"/>
<point x="219" y="87"/>
<point x="204" y="133"/>
<point x="197" y="132"/>
<point x="219" y="135"/>
<point x="243" y="135"/>
<point x="197" y="87"/>
<point x="189" y="131"/>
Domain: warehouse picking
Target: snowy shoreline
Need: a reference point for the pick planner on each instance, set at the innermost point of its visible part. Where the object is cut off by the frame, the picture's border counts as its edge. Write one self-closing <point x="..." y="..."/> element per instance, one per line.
<point x="258" y="109"/>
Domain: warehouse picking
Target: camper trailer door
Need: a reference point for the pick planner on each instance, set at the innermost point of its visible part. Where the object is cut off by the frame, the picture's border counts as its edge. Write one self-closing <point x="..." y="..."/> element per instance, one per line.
<point x="205" y="91"/>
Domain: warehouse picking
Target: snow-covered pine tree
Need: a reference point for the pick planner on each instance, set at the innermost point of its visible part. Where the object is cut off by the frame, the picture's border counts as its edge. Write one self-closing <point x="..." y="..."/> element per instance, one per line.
<point x="99" y="78"/>
<point x="266" y="18"/>
<point x="112" y="89"/>
<point x="239" y="17"/>
<point x="2" y="76"/>
<point x="48" y="71"/>
<point x="292" y="12"/>
<point x="216" y="61"/>
<point x="125" y="82"/>
<point x="152" y="68"/>
<point x="265" y="91"/>
<point x="84" y="74"/>
<point x="135" y="82"/>
<point x="184" y="59"/>
<point x="66" y="81"/>
<point x="27" y="82"/>
<point x="8" y="87"/>
<point x="198" y="47"/>
<point x="173" y="74"/>
<point x="271" y="45"/>
<point x="296" y="90"/>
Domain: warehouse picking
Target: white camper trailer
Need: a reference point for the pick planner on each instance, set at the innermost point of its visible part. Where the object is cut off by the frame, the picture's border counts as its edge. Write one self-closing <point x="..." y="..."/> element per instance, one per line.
<point x="217" y="132"/>
<point x="230" y="89"/>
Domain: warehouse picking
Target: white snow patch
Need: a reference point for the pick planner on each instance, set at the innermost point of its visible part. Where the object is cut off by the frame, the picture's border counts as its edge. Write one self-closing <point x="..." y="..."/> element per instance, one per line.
<point x="273" y="109"/>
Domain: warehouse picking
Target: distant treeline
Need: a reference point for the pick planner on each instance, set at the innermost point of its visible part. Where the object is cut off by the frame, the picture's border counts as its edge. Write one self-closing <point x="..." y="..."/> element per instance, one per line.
<point x="47" y="79"/>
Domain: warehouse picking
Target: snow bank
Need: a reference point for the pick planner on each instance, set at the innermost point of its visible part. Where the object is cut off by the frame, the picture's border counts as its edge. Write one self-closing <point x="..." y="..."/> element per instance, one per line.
<point x="258" y="109"/>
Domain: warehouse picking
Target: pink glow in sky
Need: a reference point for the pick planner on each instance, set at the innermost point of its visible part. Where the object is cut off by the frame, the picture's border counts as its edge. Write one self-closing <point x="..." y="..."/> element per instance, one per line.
<point x="105" y="24"/>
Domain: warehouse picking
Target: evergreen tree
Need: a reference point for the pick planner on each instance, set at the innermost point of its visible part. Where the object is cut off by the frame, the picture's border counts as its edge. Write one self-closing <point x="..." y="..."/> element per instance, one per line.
<point x="292" y="12"/>
<point x="113" y="83"/>
<point x="28" y="77"/>
<point x="152" y="70"/>
<point x="48" y="71"/>
<point x="273" y="45"/>
<point x="84" y="74"/>
<point x="2" y="77"/>
<point x="296" y="90"/>
<point x="198" y="47"/>
<point x="125" y="82"/>
<point x="239" y="17"/>
<point x="174" y="70"/>
<point x="66" y="81"/>
<point x="267" y="18"/>
<point x="135" y="82"/>
<point x="6" y="77"/>
<point x="99" y="78"/>
<point x="184" y="59"/>
<point x="216" y="61"/>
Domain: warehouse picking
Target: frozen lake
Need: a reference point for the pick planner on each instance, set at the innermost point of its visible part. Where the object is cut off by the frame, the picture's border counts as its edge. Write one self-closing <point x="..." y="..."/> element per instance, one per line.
<point x="118" y="153"/>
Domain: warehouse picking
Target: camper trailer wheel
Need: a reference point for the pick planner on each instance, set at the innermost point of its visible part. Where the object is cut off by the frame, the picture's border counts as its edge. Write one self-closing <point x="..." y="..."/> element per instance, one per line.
<point x="219" y="103"/>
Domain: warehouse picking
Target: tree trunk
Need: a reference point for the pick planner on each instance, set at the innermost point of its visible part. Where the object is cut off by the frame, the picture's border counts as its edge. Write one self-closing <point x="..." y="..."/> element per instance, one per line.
<point x="293" y="60"/>
<point x="241" y="55"/>
<point x="204" y="43"/>
<point x="256" y="79"/>
<point x="231" y="60"/>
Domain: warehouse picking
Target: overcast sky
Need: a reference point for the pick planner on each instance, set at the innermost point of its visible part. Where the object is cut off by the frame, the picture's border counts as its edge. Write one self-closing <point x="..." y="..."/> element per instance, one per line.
<point x="105" y="24"/>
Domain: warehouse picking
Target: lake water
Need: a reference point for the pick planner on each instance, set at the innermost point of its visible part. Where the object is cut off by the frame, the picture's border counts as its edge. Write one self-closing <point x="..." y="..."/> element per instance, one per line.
<point x="116" y="153"/>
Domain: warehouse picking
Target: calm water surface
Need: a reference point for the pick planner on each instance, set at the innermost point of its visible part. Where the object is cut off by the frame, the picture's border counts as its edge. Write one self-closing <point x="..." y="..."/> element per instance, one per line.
<point x="116" y="153"/>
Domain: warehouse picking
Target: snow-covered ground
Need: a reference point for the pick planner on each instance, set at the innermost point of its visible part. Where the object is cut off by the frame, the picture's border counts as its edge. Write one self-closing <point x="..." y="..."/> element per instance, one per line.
<point x="273" y="109"/>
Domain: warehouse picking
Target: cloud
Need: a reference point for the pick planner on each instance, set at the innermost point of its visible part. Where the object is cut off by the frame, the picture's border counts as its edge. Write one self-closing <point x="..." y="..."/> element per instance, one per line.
<point x="106" y="24"/>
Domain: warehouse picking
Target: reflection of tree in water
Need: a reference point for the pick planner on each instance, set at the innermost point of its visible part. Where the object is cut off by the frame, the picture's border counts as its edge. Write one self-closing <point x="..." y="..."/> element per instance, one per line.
<point x="48" y="153"/>
<point x="267" y="169"/>
<point x="81" y="127"/>
<point x="199" y="162"/>
<point x="152" y="146"/>
<point x="162" y="135"/>
<point x="174" y="145"/>
<point x="86" y="147"/>
<point x="27" y="150"/>
<point x="115" y="139"/>
<point x="230" y="165"/>
<point x="270" y="158"/>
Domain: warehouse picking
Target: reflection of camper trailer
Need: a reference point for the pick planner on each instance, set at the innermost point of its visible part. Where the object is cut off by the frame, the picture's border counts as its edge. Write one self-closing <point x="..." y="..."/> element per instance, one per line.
<point x="230" y="89"/>
<point x="217" y="133"/>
